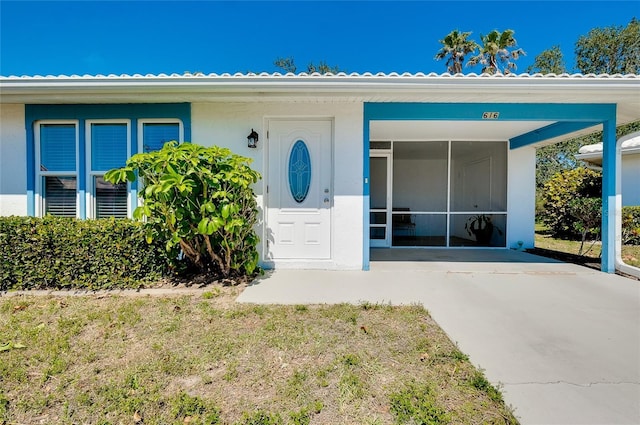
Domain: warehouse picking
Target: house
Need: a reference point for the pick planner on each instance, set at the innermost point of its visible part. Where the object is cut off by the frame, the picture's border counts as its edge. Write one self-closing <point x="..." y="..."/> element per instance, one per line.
<point x="349" y="161"/>
<point x="630" y="165"/>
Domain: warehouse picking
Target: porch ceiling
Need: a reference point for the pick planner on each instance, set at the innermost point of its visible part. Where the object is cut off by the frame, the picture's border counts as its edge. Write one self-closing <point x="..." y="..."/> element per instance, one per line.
<point x="451" y="130"/>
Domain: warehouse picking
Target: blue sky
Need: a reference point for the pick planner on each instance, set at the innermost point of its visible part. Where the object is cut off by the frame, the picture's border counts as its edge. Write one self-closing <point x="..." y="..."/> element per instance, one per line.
<point x="103" y="37"/>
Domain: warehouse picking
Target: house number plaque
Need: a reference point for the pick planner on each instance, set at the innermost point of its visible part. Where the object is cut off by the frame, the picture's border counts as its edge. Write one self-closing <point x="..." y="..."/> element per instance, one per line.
<point x="490" y="115"/>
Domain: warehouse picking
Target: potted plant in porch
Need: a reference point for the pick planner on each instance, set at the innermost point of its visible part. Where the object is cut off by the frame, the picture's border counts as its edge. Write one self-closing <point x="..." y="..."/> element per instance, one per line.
<point x="481" y="227"/>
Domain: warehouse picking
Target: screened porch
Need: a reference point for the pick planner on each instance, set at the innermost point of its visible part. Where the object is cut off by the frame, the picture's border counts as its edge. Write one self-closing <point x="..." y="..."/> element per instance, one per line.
<point x="442" y="193"/>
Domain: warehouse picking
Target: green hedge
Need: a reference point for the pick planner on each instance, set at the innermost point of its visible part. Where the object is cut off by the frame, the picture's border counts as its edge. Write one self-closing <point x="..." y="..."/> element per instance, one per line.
<point x="631" y="225"/>
<point x="39" y="253"/>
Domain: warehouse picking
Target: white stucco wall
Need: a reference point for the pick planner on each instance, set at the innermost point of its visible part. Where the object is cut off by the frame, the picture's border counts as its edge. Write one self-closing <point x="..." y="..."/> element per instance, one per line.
<point x="630" y="180"/>
<point x="229" y="124"/>
<point x="13" y="166"/>
<point x="521" y="189"/>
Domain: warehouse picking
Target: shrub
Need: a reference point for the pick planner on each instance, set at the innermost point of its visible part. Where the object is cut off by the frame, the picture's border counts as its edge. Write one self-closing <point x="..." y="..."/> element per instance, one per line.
<point x="50" y="252"/>
<point x="587" y="213"/>
<point x="631" y="225"/>
<point x="560" y="191"/>
<point x="199" y="203"/>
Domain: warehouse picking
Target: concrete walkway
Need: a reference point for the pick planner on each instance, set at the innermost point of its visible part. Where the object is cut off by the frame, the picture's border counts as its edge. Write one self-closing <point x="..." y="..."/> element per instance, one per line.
<point x="562" y="340"/>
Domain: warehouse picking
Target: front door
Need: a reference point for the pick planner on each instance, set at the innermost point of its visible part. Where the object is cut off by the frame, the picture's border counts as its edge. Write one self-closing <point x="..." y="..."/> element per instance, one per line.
<point x="299" y="190"/>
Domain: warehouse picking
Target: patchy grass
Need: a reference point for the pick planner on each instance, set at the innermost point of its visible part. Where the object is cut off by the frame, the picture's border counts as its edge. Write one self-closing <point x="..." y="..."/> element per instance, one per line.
<point x="203" y="359"/>
<point x="630" y="253"/>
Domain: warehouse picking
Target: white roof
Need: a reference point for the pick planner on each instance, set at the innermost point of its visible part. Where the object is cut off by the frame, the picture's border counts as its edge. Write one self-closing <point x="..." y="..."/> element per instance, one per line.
<point x="627" y="143"/>
<point x="621" y="90"/>
<point x="325" y="75"/>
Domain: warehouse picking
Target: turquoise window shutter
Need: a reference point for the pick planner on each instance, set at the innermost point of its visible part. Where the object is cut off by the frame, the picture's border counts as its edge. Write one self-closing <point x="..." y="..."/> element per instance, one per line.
<point x="58" y="147"/>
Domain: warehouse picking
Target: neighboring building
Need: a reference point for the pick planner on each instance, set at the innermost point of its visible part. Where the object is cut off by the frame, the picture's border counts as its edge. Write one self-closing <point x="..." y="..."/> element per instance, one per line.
<point x="630" y="165"/>
<point x="348" y="162"/>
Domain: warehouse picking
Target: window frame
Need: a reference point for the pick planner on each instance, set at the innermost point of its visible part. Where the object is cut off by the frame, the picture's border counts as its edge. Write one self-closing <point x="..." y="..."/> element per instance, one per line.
<point x="91" y="174"/>
<point x="40" y="196"/>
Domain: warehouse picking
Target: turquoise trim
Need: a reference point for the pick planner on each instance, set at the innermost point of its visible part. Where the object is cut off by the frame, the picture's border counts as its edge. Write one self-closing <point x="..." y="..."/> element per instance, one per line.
<point x="82" y="169"/>
<point x="132" y="112"/>
<point x="475" y="111"/>
<point x="566" y="117"/>
<point x="31" y="175"/>
<point x="610" y="196"/>
<point x="365" y="193"/>
<point x="133" y="186"/>
<point x="548" y="132"/>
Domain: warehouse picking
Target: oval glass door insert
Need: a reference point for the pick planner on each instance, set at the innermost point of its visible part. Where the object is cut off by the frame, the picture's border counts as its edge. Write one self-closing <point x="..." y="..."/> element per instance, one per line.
<point x="299" y="171"/>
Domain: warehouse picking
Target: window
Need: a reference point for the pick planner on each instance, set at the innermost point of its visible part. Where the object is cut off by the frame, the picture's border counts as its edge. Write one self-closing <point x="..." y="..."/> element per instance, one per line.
<point x="71" y="147"/>
<point x="299" y="171"/>
<point x="153" y="134"/>
<point x="57" y="177"/>
<point x="109" y="142"/>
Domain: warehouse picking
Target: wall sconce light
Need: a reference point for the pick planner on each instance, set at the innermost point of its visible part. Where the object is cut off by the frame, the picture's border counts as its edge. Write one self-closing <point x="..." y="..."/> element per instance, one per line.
<point x="252" y="139"/>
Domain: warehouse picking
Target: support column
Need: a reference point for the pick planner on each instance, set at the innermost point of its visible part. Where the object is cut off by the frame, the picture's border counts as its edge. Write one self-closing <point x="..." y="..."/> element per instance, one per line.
<point x="365" y="194"/>
<point x="31" y="169"/>
<point x="611" y="197"/>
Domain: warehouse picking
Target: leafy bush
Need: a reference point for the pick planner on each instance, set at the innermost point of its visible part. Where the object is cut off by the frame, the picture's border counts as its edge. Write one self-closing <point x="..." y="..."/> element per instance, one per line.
<point x="199" y="203"/>
<point x="559" y="193"/>
<point x="631" y="225"/>
<point x="587" y="213"/>
<point x="573" y="207"/>
<point x="50" y="252"/>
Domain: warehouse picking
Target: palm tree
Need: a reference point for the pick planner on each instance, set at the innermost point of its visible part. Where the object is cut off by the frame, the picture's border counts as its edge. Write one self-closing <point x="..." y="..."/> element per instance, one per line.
<point x="495" y="51"/>
<point x="455" y="46"/>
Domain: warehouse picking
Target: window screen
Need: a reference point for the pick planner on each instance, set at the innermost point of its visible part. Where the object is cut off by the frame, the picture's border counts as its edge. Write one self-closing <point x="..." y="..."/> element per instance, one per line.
<point x="108" y="146"/>
<point x="60" y="196"/>
<point x="111" y="199"/>
<point x="57" y="147"/>
<point x="155" y="135"/>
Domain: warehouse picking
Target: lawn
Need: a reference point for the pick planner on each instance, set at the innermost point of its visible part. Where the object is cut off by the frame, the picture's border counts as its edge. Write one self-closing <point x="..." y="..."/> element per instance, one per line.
<point x="630" y="253"/>
<point x="202" y="358"/>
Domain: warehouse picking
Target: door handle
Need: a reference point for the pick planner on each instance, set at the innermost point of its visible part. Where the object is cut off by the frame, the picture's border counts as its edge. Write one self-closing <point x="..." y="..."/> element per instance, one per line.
<point x="326" y="200"/>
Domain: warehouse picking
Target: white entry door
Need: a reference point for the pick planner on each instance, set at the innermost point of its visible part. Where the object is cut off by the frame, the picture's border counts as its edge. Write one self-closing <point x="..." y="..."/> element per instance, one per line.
<point x="299" y="192"/>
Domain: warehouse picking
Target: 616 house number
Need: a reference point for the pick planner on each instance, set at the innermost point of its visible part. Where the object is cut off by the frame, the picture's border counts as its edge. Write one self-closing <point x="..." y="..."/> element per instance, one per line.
<point x="490" y="115"/>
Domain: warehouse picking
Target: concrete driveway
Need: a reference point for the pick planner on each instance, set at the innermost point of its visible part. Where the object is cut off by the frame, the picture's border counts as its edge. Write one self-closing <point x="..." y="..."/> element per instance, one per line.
<point x="562" y="341"/>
